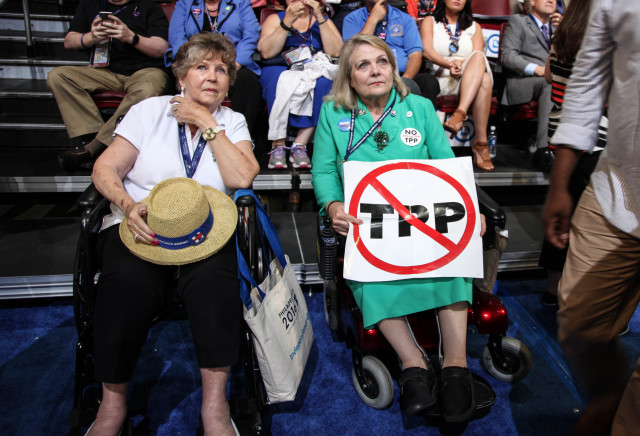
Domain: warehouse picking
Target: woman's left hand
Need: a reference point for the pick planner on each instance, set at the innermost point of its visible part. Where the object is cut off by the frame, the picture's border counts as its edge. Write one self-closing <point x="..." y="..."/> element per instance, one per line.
<point x="189" y="112"/>
<point x="137" y="224"/>
<point x="483" y="225"/>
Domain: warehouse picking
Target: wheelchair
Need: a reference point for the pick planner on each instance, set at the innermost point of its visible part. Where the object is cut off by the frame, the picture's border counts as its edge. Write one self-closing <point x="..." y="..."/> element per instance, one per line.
<point x="375" y="364"/>
<point x="246" y="406"/>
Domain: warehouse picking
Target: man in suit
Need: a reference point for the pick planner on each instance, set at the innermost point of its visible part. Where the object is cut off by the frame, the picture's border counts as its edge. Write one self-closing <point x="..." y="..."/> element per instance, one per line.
<point x="525" y="48"/>
<point x="600" y="286"/>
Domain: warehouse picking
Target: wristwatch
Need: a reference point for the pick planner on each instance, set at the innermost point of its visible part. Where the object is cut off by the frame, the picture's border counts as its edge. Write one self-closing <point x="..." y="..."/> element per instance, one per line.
<point x="210" y="133"/>
<point x="135" y="39"/>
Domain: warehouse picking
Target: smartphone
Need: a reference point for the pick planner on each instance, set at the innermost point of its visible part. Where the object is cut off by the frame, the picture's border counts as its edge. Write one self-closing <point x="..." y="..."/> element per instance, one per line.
<point x="104" y="16"/>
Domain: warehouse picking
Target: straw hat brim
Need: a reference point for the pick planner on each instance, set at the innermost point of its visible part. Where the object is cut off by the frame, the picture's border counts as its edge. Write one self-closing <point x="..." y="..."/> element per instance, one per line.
<point x="225" y="220"/>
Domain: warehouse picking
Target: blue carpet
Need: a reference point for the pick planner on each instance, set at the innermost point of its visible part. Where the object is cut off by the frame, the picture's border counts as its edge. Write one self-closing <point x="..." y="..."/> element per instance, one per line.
<point x="36" y="378"/>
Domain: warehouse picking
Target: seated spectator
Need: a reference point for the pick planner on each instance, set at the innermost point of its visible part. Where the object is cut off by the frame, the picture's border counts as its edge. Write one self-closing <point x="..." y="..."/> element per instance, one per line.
<point x="400" y="31"/>
<point x="147" y="262"/>
<point x="565" y="46"/>
<point x="137" y="35"/>
<point x="236" y="20"/>
<point x="525" y="47"/>
<point x="367" y="83"/>
<point x="297" y="33"/>
<point x="342" y="9"/>
<point x="454" y="43"/>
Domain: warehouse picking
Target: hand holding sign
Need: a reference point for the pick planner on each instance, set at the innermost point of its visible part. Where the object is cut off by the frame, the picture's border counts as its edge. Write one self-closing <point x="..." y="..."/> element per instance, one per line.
<point x="340" y="218"/>
<point x="419" y="217"/>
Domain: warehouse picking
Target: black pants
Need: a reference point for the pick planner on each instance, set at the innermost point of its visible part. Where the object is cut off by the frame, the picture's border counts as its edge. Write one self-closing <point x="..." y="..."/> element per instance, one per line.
<point x="132" y="291"/>
<point x="246" y="96"/>
<point x="429" y="87"/>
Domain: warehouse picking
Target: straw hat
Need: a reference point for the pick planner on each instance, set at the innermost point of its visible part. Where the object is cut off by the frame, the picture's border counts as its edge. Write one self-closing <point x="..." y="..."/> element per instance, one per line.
<point x="190" y="221"/>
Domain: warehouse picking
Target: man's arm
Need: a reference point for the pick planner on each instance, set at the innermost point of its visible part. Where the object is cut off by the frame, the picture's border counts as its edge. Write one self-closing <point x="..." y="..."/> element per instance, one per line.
<point x="556" y="214"/>
<point x="587" y="90"/>
<point x="378" y="12"/>
<point x="511" y="45"/>
<point x="414" y="63"/>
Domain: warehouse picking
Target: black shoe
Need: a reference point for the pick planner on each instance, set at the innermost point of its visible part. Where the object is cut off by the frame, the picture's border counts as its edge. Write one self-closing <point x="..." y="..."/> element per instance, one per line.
<point x="457" y="401"/>
<point x="548" y="299"/>
<point x="71" y="160"/>
<point x="543" y="159"/>
<point x="418" y="390"/>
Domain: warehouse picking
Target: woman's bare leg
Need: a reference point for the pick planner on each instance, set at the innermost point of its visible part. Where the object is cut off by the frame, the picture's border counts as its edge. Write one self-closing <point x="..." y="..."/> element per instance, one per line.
<point x="304" y="135"/>
<point x="395" y="330"/>
<point x="112" y="411"/>
<point x="471" y="81"/>
<point x="482" y="108"/>
<point x="453" y="324"/>
<point x="215" y="407"/>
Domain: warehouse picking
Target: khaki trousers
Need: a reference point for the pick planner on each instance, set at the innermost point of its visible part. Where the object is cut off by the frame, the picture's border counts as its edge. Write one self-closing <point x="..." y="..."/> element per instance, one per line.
<point x="598" y="294"/>
<point x="72" y="87"/>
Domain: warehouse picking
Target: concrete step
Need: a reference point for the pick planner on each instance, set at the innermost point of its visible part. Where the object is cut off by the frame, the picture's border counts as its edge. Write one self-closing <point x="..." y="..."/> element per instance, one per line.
<point x="23" y="67"/>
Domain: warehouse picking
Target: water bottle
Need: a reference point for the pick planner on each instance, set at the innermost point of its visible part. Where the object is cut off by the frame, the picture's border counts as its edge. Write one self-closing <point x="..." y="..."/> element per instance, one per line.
<point x="492" y="139"/>
<point x="327" y="249"/>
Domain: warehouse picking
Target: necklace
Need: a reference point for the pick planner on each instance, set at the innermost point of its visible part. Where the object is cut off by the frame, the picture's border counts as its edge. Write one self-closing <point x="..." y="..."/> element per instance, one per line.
<point x="453" y="47"/>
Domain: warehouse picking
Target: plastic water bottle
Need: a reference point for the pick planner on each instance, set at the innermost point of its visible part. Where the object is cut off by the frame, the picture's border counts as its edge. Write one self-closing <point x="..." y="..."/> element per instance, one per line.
<point x="492" y="139"/>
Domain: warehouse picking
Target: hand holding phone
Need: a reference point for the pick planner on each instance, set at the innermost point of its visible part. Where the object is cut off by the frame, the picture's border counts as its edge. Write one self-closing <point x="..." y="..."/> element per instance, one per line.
<point x="104" y="16"/>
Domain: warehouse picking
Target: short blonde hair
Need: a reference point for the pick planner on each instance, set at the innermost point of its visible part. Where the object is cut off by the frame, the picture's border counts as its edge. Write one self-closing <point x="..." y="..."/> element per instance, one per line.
<point x="342" y="94"/>
<point x="203" y="46"/>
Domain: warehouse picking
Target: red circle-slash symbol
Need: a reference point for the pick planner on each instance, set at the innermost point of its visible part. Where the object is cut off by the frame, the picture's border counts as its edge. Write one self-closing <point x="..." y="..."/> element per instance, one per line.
<point x="454" y="249"/>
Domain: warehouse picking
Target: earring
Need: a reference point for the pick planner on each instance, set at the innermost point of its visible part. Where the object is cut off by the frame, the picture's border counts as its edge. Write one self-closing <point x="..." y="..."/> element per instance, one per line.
<point x="182" y="89"/>
<point x="227" y="94"/>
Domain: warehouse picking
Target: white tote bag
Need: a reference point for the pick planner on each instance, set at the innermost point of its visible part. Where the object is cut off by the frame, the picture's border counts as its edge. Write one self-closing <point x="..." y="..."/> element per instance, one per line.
<point x="276" y="312"/>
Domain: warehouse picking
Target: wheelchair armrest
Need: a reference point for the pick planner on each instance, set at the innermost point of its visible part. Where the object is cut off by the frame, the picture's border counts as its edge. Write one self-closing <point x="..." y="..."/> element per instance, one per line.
<point x="492" y="211"/>
<point x="89" y="198"/>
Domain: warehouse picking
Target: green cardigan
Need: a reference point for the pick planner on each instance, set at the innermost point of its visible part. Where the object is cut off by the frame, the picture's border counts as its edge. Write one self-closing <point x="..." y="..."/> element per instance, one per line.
<point x="381" y="300"/>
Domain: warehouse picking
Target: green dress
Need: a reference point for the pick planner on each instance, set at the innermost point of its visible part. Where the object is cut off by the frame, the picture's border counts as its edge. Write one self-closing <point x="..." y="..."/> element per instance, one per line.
<point x="381" y="300"/>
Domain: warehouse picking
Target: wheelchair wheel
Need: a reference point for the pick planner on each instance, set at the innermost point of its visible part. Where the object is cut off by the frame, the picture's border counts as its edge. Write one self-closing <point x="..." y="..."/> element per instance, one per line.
<point x="330" y="300"/>
<point x="516" y="364"/>
<point x="378" y="391"/>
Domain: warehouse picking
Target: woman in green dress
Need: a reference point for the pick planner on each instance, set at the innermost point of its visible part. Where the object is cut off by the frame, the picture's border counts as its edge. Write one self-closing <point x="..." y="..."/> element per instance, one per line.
<point x="367" y="90"/>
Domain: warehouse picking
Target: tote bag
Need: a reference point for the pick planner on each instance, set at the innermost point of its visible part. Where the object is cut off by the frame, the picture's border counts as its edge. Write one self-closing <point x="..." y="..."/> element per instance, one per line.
<point x="276" y="312"/>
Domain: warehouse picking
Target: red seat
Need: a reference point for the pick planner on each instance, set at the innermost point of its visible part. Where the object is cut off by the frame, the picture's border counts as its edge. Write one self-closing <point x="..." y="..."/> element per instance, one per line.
<point x="449" y="103"/>
<point x="108" y="99"/>
<point x="112" y="99"/>
<point x="491" y="9"/>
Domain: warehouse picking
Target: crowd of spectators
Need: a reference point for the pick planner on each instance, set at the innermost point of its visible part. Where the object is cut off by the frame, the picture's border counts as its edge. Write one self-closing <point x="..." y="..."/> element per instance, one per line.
<point x="302" y="40"/>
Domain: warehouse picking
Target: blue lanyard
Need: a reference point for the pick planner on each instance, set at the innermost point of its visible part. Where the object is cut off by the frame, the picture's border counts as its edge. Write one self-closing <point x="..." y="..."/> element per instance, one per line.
<point x="190" y="164"/>
<point x="351" y="148"/>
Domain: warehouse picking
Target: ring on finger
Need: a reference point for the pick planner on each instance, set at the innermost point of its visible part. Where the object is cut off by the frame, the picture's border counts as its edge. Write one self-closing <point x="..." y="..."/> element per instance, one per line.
<point x="135" y="237"/>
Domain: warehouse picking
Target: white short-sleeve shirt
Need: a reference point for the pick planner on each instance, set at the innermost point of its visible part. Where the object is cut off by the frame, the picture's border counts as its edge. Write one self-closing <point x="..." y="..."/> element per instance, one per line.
<point x="151" y="127"/>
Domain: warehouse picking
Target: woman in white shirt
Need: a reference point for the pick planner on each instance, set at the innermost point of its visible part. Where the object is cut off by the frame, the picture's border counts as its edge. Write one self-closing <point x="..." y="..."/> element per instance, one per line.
<point x="189" y="135"/>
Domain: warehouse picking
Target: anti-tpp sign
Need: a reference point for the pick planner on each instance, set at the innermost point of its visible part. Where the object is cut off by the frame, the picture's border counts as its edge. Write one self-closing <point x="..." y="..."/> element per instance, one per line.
<point x="420" y="220"/>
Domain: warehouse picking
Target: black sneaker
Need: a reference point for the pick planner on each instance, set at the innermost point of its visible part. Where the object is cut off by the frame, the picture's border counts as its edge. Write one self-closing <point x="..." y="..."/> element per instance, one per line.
<point x="548" y="299"/>
<point x="418" y="390"/>
<point x="457" y="401"/>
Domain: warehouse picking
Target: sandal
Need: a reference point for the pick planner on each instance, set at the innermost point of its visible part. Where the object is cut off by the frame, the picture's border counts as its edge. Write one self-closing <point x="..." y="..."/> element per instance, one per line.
<point x="481" y="156"/>
<point x="451" y="125"/>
